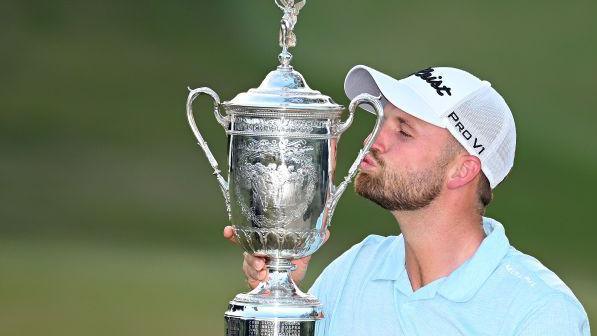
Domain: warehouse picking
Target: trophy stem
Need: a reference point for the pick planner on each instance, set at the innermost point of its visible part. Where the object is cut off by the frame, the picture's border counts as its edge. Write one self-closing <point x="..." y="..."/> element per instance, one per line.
<point x="279" y="283"/>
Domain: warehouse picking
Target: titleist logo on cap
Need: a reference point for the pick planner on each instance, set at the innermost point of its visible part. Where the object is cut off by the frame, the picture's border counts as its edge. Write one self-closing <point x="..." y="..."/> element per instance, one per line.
<point x="435" y="82"/>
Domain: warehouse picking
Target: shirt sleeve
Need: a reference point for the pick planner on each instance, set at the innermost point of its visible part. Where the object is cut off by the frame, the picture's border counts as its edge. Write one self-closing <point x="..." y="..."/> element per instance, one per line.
<point x="556" y="315"/>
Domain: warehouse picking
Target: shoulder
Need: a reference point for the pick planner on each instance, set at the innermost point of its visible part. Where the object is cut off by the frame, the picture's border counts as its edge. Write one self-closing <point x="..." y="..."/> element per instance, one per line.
<point x="364" y="252"/>
<point x="356" y="262"/>
<point x="539" y="299"/>
<point x="555" y="314"/>
<point x="371" y="244"/>
<point x="535" y="279"/>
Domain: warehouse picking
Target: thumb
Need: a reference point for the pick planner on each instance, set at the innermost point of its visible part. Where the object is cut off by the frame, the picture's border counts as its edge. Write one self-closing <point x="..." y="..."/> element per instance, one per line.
<point x="229" y="234"/>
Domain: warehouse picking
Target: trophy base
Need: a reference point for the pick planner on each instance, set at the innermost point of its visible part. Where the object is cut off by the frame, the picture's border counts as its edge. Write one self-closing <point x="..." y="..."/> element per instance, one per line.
<point x="276" y="307"/>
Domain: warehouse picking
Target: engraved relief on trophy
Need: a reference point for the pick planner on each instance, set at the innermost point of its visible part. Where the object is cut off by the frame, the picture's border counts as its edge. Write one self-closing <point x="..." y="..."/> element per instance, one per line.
<point x="275" y="182"/>
<point x="288" y="127"/>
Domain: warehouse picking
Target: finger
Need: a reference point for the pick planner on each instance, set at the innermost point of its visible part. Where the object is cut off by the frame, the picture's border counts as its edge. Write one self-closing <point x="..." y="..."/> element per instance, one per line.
<point x="262" y="275"/>
<point x="301" y="262"/>
<point x="250" y="272"/>
<point x="252" y="283"/>
<point x="258" y="263"/>
<point x="229" y="234"/>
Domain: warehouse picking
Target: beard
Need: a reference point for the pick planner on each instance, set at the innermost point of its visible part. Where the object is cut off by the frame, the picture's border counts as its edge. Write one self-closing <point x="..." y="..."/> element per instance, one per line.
<point x="401" y="191"/>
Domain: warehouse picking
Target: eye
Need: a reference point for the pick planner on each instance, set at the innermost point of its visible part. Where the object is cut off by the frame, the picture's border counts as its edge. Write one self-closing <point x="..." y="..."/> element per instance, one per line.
<point x="405" y="134"/>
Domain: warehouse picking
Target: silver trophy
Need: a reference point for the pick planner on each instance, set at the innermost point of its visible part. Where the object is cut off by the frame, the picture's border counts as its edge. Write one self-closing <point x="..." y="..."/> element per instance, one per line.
<point x="280" y="194"/>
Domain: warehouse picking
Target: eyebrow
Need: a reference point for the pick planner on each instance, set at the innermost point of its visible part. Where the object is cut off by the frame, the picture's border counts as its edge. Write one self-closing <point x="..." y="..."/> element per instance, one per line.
<point x="403" y="121"/>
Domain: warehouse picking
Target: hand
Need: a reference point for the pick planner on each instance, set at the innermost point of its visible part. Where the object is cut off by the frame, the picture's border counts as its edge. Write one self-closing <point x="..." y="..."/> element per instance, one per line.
<point x="254" y="267"/>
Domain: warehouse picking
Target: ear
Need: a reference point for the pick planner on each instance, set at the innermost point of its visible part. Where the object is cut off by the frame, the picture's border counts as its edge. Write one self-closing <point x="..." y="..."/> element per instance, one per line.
<point x="464" y="170"/>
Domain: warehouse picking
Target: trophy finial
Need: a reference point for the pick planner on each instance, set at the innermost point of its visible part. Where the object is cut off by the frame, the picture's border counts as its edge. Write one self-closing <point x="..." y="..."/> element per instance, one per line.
<point x="287" y="38"/>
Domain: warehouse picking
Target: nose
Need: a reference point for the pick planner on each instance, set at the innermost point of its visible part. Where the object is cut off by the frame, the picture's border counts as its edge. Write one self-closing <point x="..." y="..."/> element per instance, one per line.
<point x="379" y="144"/>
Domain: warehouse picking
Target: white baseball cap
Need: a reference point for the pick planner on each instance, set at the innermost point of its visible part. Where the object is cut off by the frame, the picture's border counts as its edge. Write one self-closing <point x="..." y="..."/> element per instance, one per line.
<point x="469" y="108"/>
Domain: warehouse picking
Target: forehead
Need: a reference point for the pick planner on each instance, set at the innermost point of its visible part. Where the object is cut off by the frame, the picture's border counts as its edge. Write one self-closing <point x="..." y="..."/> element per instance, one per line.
<point x="395" y="114"/>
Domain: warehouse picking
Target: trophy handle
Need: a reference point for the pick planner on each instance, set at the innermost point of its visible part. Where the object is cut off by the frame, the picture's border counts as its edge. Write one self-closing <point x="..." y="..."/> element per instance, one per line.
<point x="363" y="98"/>
<point x="224" y="121"/>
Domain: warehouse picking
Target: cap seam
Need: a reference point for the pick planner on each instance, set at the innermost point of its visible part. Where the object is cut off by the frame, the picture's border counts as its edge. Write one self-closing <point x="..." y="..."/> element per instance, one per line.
<point x="502" y="134"/>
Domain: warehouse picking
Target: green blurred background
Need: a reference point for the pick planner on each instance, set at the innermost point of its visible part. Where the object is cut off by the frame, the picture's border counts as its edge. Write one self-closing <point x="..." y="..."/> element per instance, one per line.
<point x="110" y="222"/>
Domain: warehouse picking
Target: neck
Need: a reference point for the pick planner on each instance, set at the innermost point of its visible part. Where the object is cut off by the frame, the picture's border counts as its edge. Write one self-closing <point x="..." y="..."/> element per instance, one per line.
<point x="438" y="239"/>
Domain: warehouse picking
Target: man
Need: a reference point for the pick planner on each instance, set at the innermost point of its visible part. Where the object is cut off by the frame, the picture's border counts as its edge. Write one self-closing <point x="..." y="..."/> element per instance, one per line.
<point x="448" y="140"/>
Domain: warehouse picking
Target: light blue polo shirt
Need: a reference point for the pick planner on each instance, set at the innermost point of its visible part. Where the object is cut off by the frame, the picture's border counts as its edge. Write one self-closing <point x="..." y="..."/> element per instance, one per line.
<point x="498" y="291"/>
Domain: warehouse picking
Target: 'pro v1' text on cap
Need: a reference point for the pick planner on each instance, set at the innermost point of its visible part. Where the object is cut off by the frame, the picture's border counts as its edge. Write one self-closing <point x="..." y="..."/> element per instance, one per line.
<point x="469" y="108"/>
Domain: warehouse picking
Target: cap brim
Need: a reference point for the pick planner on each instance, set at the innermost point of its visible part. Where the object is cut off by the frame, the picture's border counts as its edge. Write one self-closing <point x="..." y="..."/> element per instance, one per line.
<point x="363" y="79"/>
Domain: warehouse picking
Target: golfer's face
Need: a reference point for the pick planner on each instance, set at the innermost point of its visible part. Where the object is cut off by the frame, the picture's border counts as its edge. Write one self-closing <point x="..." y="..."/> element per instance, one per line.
<point x="404" y="144"/>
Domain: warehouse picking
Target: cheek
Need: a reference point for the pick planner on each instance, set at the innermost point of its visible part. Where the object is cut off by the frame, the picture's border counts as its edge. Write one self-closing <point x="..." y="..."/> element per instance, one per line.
<point x="410" y="157"/>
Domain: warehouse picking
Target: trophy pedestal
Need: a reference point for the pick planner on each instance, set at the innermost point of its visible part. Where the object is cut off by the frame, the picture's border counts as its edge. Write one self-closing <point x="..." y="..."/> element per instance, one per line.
<point x="276" y="307"/>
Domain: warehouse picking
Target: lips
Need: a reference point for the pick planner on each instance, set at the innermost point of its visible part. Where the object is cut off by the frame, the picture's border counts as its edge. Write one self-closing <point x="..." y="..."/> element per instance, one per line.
<point x="368" y="162"/>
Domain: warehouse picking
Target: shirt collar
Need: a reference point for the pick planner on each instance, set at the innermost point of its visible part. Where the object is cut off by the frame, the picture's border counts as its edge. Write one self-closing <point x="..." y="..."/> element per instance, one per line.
<point x="468" y="278"/>
<point x="391" y="264"/>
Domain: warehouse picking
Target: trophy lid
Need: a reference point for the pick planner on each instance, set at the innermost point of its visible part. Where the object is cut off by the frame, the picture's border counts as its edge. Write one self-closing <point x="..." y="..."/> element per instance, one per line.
<point x="284" y="89"/>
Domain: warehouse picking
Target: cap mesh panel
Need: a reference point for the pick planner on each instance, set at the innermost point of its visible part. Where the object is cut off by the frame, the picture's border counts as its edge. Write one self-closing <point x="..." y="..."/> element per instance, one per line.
<point x="486" y="117"/>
